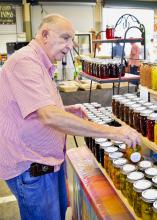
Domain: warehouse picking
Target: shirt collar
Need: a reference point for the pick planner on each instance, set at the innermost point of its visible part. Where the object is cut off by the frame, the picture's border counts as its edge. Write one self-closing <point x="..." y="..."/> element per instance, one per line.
<point x="43" y="57"/>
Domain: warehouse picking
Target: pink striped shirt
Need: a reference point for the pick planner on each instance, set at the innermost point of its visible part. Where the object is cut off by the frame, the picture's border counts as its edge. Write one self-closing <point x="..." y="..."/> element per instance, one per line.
<point x="26" y="85"/>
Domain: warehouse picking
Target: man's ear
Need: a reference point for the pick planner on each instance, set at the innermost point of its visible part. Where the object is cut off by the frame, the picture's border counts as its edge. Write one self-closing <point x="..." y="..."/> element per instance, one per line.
<point x="44" y="34"/>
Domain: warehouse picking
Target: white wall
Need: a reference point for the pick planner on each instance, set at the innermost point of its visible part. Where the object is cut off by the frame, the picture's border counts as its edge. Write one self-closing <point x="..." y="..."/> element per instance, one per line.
<point x="8" y="33"/>
<point x="80" y="15"/>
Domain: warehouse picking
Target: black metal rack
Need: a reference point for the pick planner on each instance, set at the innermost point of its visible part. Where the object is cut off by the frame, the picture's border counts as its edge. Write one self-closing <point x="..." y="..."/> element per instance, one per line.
<point x="125" y="21"/>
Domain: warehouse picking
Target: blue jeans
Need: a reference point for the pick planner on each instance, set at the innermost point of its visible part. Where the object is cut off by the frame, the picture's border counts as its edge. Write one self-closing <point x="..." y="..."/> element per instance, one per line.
<point x="40" y="198"/>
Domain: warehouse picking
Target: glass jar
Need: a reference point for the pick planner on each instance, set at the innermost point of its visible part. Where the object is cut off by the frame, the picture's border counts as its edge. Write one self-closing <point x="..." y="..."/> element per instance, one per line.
<point x="150" y="172"/>
<point x="103" y="146"/>
<point x="130" y="151"/>
<point x="143" y="121"/>
<point x="144" y="164"/>
<point x="136" y="117"/>
<point x="121" y="108"/>
<point x="108" y="150"/>
<point x="154" y="181"/>
<point x="117" y="164"/>
<point x="154" y="77"/>
<point x="155" y="132"/>
<point x="125" y="170"/>
<point x="122" y="148"/>
<point x="114" y="101"/>
<point x="148" y="197"/>
<point x="150" y="126"/>
<point x="117" y="104"/>
<point x="113" y="156"/>
<point x="154" y="217"/>
<point x="132" y="109"/>
<point x="148" y="104"/>
<point x="98" y="141"/>
<point x="138" y="187"/>
<point x="131" y="178"/>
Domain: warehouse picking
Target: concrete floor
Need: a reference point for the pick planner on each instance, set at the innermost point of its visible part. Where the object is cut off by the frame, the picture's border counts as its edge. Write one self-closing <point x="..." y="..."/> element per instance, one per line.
<point x="8" y="205"/>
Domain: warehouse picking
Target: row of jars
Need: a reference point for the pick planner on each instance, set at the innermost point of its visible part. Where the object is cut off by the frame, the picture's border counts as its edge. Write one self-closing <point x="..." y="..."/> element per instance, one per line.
<point x="135" y="181"/>
<point x="137" y="113"/>
<point x="101" y="68"/>
<point x="148" y="75"/>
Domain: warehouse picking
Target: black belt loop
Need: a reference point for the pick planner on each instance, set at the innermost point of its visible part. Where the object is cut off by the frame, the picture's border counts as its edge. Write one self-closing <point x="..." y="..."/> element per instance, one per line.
<point x="37" y="169"/>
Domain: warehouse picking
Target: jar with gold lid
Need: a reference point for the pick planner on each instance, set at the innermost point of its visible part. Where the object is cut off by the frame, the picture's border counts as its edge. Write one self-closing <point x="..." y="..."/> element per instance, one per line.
<point x="108" y="150"/>
<point x="125" y="170"/>
<point x="150" y="172"/>
<point x="113" y="156"/>
<point x="117" y="164"/>
<point x="136" y="117"/>
<point x="103" y="146"/>
<point x="154" y="217"/>
<point x="131" y="178"/>
<point x="150" y="126"/>
<point x="143" y="121"/>
<point x="145" y="164"/>
<point x="138" y="187"/>
<point x="148" y="197"/>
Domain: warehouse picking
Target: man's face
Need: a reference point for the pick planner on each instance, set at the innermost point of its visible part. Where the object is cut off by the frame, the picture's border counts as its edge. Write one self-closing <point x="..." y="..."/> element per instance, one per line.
<point x="59" y="40"/>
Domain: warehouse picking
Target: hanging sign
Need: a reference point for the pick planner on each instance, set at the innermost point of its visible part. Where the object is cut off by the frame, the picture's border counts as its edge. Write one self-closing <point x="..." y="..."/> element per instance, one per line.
<point x="7" y="14"/>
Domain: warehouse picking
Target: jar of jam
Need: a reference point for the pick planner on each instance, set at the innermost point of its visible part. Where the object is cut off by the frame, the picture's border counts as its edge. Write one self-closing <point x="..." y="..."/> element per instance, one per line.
<point x="108" y="150"/>
<point x="143" y="121"/>
<point x="144" y="164"/>
<point x="113" y="156"/>
<point x="131" y="110"/>
<point x="138" y="187"/>
<point x="117" y="105"/>
<point x="121" y="108"/>
<point x="150" y="126"/>
<point x="150" y="172"/>
<point x="136" y="117"/>
<point x="103" y="146"/>
<point x="117" y="165"/>
<point x="154" y="217"/>
<point x="98" y="141"/>
<point x="131" y="178"/>
<point x="125" y="170"/>
<point x="114" y="97"/>
<point x="122" y="148"/>
<point x="148" y="197"/>
<point x="155" y="132"/>
<point x="134" y="107"/>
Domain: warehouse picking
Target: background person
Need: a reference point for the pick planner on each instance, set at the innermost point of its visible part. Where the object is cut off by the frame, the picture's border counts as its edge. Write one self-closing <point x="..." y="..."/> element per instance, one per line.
<point x="34" y="123"/>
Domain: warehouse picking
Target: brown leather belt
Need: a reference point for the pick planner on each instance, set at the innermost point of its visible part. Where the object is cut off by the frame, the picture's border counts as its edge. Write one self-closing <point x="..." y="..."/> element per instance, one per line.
<point x="37" y="169"/>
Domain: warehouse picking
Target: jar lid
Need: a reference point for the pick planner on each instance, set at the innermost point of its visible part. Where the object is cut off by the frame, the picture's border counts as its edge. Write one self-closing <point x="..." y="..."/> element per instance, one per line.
<point x="116" y="96"/>
<point x="117" y="143"/>
<point x="106" y="144"/>
<point x="129" y="94"/>
<point x="111" y="150"/>
<point x="155" y="206"/>
<point x="134" y="106"/>
<point x="128" y="104"/>
<point x="141" y="185"/>
<point x="120" y="162"/>
<point x="136" y="99"/>
<point x="141" y="102"/>
<point x="100" y="140"/>
<point x="122" y="147"/>
<point x="106" y="121"/>
<point x="152" y="116"/>
<point x="140" y="109"/>
<point x="149" y="195"/>
<point x="128" y="168"/>
<point x="135" y="157"/>
<point x="146" y="112"/>
<point x="150" y="172"/>
<point x="154" y="180"/>
<point x="153" y="108"/>
<point x="115" y="155"/>
<point x="145" y="164"/>
<point x="148" y="104"/>
<point x="124" y="101"/>
<point x="134" y="176"/>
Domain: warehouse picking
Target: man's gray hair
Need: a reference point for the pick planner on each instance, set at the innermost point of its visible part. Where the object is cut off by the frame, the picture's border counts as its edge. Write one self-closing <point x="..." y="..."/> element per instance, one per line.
<point x="52" y="19"/>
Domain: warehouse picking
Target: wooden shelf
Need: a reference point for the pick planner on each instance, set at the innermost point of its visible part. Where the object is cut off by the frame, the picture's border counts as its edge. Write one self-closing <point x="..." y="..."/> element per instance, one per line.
<point x="145" y="142"/>
<point x="118" y="192"/>
<point x="120" y="40"/>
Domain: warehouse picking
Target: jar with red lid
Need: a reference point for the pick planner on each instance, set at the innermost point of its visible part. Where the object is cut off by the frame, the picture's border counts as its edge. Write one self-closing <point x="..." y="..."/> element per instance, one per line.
<point x="136" y="117"/>
<point x="143" y="121"/>
<point x="150" y="126"/>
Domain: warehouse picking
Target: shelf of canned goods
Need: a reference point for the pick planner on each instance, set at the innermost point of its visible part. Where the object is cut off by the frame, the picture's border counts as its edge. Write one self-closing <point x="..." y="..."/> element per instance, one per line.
<point x="135" y="181"/>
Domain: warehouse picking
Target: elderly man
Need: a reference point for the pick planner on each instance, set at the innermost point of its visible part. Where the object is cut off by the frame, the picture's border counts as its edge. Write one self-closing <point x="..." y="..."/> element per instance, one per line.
<point x="34" y="123"/>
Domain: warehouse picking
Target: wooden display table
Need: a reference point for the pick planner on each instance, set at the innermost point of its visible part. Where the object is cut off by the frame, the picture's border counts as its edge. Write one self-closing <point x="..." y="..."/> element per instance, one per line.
<point x="93" y="196"/>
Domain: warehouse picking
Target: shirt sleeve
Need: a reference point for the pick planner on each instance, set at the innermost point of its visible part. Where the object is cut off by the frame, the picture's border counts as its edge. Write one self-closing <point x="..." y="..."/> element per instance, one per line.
<point x="28" y="87"/>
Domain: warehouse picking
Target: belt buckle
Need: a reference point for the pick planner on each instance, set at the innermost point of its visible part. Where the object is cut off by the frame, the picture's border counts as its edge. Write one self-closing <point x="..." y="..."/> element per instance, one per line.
<point x="45" y="168"/>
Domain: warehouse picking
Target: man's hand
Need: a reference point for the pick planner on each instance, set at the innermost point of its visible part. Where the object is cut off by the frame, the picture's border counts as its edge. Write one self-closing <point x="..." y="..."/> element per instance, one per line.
<point x="77" y="110"/>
